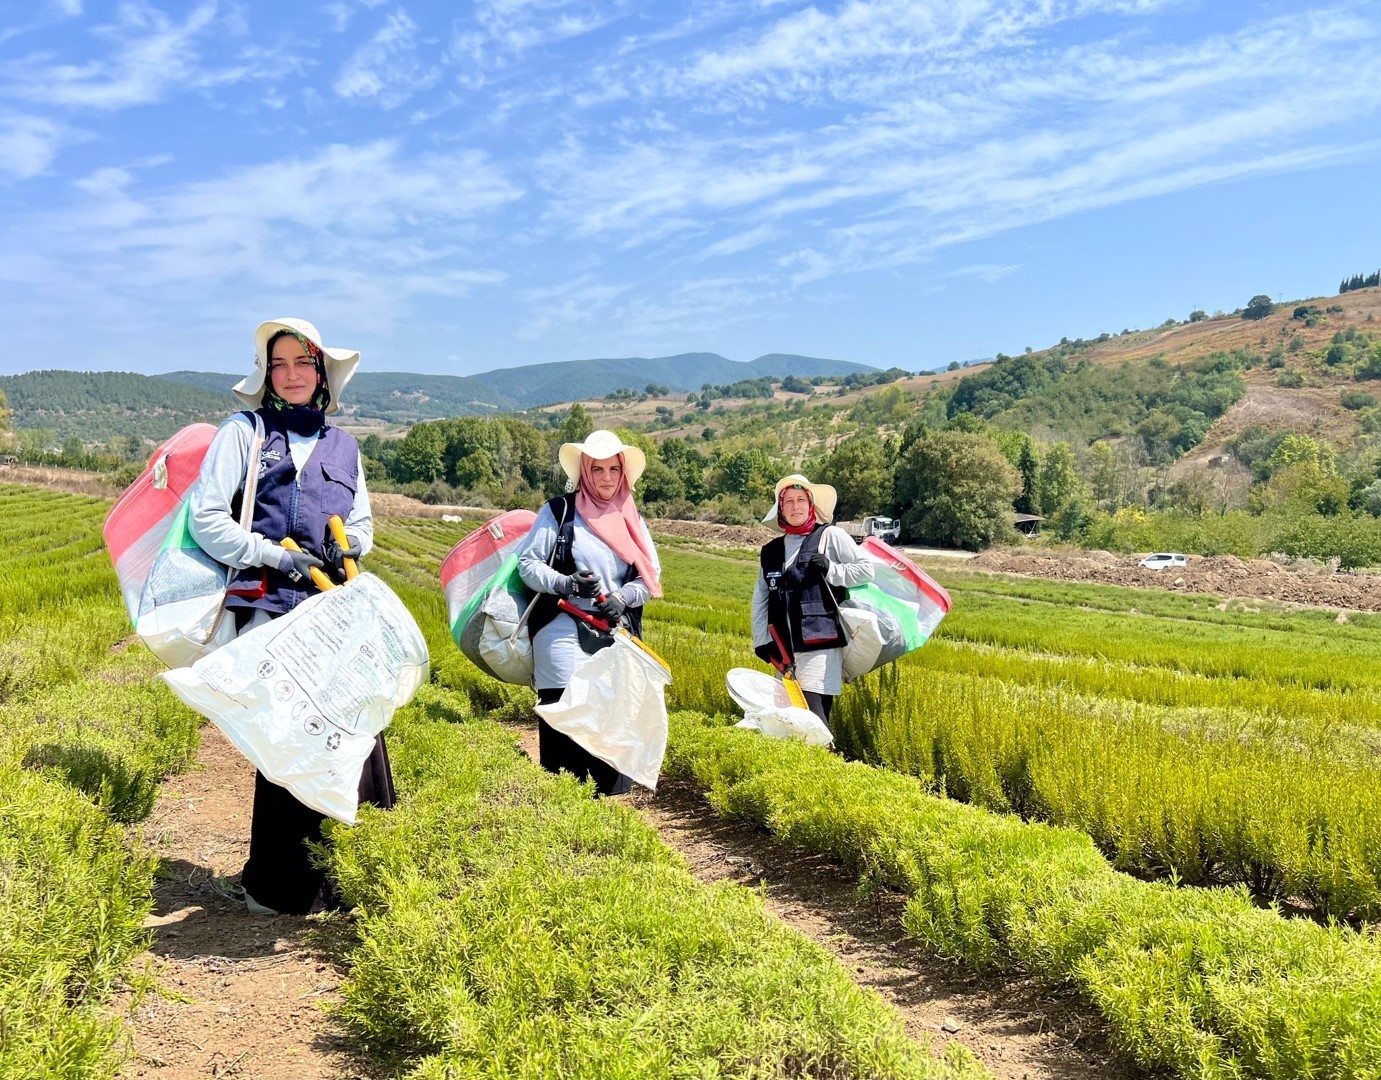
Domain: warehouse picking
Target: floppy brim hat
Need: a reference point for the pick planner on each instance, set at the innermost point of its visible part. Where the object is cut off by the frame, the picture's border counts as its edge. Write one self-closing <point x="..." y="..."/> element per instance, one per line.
<point x="340" y="364"/>
<point x="598" y="446"/>
<point x="822" y="495"/>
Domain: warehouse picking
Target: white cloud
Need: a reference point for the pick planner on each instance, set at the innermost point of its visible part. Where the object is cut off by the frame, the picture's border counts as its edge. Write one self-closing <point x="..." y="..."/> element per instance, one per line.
<point x="150" y="55"/>
<point x="28" y="144"/>
<point x="359" y="231"/>
<point x="386" y="67"/>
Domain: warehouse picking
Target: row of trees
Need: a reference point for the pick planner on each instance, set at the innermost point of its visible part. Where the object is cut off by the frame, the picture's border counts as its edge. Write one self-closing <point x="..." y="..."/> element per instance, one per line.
<point x="1359" y="281"/>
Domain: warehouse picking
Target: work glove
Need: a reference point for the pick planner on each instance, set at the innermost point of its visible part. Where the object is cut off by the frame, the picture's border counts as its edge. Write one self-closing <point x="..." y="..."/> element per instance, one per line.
<point x="768" y="653"/>
<point x="611" y="606"/>
<point x="336" y="555"/>
<point x="298" y="565"/>
<point x="819" y="563"/>
<point x="585" y="584"/>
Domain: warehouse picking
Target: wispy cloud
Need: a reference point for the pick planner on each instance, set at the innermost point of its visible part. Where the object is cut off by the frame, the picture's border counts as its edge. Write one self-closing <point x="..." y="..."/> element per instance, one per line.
<point x="386" y="67"/>
<point x="150" y="54"/>
<point x="29" y="143"/>
<point x="362" y="230"/>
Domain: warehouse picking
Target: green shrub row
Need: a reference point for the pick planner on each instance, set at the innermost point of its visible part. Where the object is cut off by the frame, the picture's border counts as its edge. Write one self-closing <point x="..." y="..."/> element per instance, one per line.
<point x="1200" y="981"/>
<point x="86" y="736"/>
<point x="1197" y="800"/>
<point x="513" y="926"/>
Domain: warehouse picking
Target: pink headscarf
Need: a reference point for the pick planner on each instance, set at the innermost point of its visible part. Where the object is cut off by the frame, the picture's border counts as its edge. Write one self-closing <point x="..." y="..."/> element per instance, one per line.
<point x="615" y="521"/>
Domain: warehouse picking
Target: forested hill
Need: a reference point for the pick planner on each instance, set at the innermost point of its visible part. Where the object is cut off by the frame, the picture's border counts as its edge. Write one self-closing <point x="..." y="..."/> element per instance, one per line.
<point x="403" y="397"/>
<point x="94" y="406"/>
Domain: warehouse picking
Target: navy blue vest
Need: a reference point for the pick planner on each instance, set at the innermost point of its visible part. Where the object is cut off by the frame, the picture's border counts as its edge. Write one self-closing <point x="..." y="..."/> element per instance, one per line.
<point x="289" y="504"/>
<point x="797" y="604"/>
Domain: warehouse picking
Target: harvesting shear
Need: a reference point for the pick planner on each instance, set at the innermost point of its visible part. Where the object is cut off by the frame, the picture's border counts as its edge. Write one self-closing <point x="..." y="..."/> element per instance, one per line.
<point x="786" y="667"/>
<point x="319" y="577"/>
<point x="613" y="629"/>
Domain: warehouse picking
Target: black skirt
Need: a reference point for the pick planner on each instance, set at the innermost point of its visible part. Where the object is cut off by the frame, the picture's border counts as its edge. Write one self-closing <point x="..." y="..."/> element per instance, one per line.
<point x="280" y="873"/>
<point x="558" y="752"/>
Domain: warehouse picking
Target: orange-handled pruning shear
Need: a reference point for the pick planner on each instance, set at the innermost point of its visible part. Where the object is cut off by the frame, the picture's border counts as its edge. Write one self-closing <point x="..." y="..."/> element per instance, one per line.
<point x="787" y="668"/>
<point x="319" y="577"/>
<point x="338" y="531"/>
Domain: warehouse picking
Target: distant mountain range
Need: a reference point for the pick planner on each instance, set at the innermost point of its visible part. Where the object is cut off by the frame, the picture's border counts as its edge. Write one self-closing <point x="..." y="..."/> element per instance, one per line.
<point x="96" y="405"/>
<point x="405" y="397"/>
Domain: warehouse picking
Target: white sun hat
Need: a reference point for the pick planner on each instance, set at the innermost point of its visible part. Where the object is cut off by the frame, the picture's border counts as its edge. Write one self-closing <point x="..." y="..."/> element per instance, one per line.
<point x="822" y="495"/>
<point x="598" y="446"/>
<point x="340" y="364"/>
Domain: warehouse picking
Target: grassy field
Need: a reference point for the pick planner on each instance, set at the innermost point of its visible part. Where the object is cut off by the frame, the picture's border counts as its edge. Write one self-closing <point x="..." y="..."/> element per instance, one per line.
<point x="1165" y="804"/>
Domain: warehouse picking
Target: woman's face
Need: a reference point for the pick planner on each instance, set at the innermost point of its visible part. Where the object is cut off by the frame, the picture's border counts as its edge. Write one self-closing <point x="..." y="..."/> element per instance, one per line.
<point x="795" y="505"/>
<point x="292" y="372"/>
<point x="607" y="472"/>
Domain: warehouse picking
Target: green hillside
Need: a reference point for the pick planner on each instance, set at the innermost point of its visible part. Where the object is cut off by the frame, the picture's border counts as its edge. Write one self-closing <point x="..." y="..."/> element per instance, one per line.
<point x="405" y="397"/>
<point x="96" y="406"/>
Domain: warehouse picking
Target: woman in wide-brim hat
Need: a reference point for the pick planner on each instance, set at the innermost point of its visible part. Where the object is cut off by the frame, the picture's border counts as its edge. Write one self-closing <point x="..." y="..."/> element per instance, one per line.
<point x="591" y="547"/>
<point x="803" y="575"/>
<point x="308" y="471"/>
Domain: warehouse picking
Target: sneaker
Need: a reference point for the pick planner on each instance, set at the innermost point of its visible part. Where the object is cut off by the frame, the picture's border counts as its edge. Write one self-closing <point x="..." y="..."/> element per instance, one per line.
<point x="235" y="893"/>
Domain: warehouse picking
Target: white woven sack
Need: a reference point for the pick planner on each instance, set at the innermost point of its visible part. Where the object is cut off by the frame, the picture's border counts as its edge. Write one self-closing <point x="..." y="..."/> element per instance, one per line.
<point x="615" y="707"/>
<point x="767" y="709"/>
<point x="303" y="696"/>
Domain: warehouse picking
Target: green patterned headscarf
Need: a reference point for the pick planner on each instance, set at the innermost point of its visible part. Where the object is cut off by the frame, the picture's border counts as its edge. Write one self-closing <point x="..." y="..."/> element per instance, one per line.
<point x="302" y="419"/>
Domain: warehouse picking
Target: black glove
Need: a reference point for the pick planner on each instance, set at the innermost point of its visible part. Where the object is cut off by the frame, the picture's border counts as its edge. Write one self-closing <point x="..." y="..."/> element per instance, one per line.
<point x="768" y="653"/>
<point x="298" y="565"/>
<point x="819" y="563"/>
<point x="336" y="555"/>
<point x="611" y="606"/>
<point x="585" y="584"/>
<point x="582" y="581"/>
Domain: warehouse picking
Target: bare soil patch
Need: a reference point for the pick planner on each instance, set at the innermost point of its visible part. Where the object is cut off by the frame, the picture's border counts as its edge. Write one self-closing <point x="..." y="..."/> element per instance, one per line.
<point x="1224" y="575"/>
<point x="241" y="995"/>
<point x="739" y="536"/>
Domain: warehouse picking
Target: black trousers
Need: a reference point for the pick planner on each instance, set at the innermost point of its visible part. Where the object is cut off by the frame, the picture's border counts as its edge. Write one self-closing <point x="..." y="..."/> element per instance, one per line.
<point x="558" y="752"/>
<point x="279" y="872"/>
<point x="820" y="705"/>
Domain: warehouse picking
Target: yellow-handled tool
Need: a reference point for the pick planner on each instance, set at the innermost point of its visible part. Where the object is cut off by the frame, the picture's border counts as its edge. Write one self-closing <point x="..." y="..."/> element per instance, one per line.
<point x="787" y="669"/>
<point x="338" y="531"/>
<point x="319" y="577"/>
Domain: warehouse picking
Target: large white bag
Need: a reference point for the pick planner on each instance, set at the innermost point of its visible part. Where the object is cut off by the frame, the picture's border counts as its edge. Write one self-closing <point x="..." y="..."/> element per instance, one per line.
<point x="767" y="708"/>
<point x="304" y="695"/>
<point x="615" y="707"/>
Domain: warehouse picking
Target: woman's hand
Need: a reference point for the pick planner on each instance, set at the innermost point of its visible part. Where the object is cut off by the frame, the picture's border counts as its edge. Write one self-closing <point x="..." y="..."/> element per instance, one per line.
<point x="336" y="555"/>
<point x="583" y="583"/>
<point x="820" y="563"/>
<point x="611" y="606"/>
<point x="298" y="565"/>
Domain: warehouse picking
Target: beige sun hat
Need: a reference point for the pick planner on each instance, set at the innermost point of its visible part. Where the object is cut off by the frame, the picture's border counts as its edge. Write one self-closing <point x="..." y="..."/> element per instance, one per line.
<point x="597" y="446"/>
<point x="822" y="495"/>
<point x="340" y="364"/>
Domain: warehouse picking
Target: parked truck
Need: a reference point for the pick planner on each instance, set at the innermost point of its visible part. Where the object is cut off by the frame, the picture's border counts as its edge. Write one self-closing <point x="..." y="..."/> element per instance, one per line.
<point x="885" y="529"/>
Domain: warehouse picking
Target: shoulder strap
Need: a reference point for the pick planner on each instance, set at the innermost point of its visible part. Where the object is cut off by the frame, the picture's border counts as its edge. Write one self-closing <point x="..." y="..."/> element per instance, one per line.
<point x="251" y="488"/>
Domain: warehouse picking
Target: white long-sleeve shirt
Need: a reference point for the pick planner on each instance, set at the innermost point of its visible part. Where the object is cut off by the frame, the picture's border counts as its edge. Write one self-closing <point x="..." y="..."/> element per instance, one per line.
<point x="820" y="671"/>
<point x="555" y="648"/>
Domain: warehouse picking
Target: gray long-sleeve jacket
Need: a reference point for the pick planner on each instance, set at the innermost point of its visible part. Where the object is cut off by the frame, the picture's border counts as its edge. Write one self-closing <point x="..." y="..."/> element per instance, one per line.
<point x="821" y="671"/>
<point x="217" y="531"/>
<point x="555" y="650"/>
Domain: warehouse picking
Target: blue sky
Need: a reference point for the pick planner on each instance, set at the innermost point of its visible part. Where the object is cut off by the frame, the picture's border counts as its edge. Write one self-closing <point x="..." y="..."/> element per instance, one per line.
<point x="457" y="187"/>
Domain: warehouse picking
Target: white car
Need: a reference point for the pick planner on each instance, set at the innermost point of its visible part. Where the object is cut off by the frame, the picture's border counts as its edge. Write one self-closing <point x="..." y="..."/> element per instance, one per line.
<point x="1162" y="560"/>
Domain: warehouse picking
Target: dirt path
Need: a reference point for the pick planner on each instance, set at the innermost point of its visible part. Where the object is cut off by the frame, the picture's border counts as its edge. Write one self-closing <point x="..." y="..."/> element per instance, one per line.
<point x="1011" y="1026"/>
<point x="242" y="995"/>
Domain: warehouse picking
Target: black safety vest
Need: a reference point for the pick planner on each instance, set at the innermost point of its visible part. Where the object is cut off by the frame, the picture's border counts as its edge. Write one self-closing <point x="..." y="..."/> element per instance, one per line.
<point x="800" y="603"/>
<point x="563" y="562"/>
